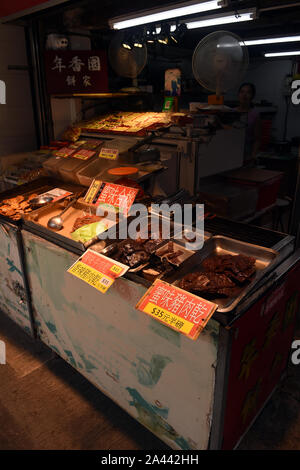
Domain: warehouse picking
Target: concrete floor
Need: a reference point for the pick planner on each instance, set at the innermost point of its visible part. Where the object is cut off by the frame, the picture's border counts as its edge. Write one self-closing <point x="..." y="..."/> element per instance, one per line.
<point x="46" y="404"/>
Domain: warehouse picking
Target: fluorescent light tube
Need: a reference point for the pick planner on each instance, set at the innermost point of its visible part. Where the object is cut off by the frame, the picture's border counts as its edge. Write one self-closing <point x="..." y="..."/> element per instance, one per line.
<point x="219" y="20"/>
<point x="281" y="54"/>
<point x="189" y="8"/>
<point x="258" y="42"/>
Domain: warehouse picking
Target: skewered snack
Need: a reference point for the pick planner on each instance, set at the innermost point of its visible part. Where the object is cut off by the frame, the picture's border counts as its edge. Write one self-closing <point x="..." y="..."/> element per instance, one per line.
<point x="220" y="276"/>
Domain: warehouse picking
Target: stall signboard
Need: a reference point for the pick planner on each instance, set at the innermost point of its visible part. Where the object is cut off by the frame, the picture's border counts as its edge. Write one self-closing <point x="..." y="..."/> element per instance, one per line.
<point x="176" y="308"/>
<point x="110" y="194"/>
<point x="69" y="72"/>
<point x="109" y="153"/>
<point x="97" y="270"/>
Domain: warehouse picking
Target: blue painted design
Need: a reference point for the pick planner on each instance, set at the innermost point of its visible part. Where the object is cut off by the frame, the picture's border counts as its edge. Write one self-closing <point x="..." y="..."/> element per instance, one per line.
<point x="87" y="364"/>
<point x="152" y="417"/>
<point x="138" y="400"/>
<point x="149" y="373"/>
<point x="54" y="349"/>
<point x="70" y="357"/>
<point x="51" y="327"/>
<point x="12" y="267"/>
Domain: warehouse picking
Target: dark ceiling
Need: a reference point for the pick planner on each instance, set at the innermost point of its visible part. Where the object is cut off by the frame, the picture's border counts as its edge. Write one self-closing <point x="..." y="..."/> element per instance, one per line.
<point x="275" y="17"/>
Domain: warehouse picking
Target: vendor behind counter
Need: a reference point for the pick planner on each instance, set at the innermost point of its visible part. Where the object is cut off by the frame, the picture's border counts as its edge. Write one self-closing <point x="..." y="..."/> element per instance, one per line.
<point x="247" y="93"/>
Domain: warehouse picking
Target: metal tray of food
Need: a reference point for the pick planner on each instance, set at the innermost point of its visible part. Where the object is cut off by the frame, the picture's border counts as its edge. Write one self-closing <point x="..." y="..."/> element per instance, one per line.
<point x="264" y="261"/>
<point x="36" y="222"/>
<point x="28" y="191"/>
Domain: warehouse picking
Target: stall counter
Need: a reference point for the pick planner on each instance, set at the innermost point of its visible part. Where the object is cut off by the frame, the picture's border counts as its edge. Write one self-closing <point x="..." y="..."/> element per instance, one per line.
<point x="191" y="394"/>
<point x="160" y="377"/>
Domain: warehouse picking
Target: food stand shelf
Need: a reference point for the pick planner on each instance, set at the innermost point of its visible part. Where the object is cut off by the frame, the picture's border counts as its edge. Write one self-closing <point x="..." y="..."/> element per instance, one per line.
<point x="147" y="368"/>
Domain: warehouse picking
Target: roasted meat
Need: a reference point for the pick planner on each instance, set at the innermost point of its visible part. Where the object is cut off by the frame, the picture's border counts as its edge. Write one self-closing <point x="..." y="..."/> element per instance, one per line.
<point x="220" y="276"/>
<point x="139" y="257"/>
<point x="208" y="283"/>
<point x="239" y="267"/>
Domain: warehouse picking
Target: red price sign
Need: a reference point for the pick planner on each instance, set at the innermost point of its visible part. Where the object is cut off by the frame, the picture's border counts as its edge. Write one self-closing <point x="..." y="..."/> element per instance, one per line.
<point x="97" y="270"/>
<point x="64" y="152"/>
<point x="84" y="154"/>
<point x="121" y="197"/>
<point x="177" y="308"/>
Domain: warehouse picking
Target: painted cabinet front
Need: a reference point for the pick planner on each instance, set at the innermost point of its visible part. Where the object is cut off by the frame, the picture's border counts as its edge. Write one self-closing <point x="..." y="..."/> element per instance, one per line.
<point x="161" y="378"/>
<point x="13" y="299"/>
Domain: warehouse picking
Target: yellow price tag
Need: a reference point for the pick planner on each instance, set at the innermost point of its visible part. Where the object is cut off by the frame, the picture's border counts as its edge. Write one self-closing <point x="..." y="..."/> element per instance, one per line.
<point x="168" y="318"/>
<point x="110" y="154"/>
<point x="91" y="276"/>
<point x="116" y="269"/>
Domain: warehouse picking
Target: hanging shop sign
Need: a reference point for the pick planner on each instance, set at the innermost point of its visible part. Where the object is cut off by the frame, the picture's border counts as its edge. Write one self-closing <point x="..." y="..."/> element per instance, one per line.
<point x="71" y="72"/>
<point x="120" y="197"/>
<point x="97" y="270"/>
<point x="176" y="308"/>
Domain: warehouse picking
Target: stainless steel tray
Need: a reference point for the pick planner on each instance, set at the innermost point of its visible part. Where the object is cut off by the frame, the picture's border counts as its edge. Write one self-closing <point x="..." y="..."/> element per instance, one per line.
<point x="219" y="245"/>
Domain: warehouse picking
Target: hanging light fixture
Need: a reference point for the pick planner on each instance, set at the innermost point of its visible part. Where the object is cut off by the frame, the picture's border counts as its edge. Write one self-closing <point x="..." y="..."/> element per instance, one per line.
<point x="161" y="14"/>
<point x="151" y="35"/>
<point x="163" y="37"/>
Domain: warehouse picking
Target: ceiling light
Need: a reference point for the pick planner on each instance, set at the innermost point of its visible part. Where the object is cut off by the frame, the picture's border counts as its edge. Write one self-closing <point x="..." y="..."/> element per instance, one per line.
<point x="150" y="35"/>
<point x="222" y="19"/>
<point x="163" y="37"/>
<point x="281" y="54"/>
<point x="258" y="42"/>
<point x="179" y="33"/>
<point x="174" y="11"/>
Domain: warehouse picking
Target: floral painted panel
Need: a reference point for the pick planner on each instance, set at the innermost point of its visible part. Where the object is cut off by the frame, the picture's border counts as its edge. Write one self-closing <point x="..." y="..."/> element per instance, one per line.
<point x="13" y="299"/>
<point x="161" y="378"/>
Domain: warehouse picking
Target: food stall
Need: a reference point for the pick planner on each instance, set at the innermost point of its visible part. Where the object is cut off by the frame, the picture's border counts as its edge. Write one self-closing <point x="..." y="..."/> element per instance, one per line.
<point x="200" y="392"/>
<point x="149" y="368"/>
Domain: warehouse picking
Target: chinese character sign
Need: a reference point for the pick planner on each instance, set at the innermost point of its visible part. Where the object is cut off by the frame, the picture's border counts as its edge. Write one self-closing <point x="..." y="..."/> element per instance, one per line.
<point x="177" y="308"/>
<point x="76" y="71"/>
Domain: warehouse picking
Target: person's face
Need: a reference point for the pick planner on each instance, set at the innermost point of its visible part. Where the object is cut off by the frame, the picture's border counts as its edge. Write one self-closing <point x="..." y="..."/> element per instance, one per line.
<point x="245" y="95"/>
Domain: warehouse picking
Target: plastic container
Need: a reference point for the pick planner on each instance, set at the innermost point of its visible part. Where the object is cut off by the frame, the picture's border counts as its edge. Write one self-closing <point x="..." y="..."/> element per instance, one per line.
<point x="53" y="164"/>
<point x="69" y="170"/>
<point x="93" y="169"/>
